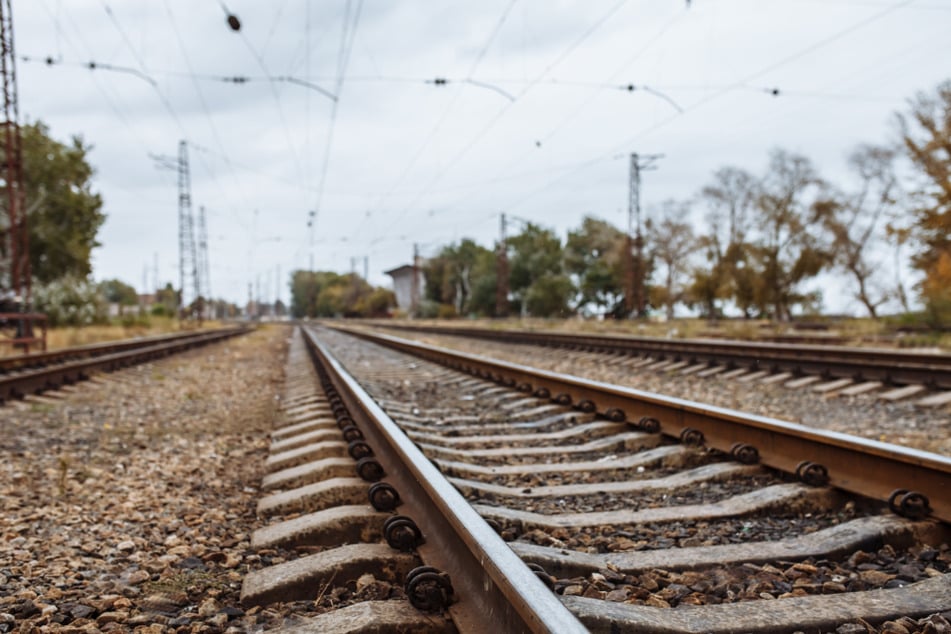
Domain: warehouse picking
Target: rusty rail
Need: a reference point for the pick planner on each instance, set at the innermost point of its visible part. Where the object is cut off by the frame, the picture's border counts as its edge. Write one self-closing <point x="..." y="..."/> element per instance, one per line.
<point x="914" y="482"/>
<point x="898" y="367"/>
<point x="74" y="364"/>
<point x="498" y="592"/>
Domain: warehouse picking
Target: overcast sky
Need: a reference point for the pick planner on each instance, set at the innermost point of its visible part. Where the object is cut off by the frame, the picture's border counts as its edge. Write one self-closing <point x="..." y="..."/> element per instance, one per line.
<point x="533" y="120"/>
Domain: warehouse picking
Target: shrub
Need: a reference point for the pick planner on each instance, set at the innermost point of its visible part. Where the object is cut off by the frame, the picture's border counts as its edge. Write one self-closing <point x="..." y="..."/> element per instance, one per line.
<point x="70" y="301"/>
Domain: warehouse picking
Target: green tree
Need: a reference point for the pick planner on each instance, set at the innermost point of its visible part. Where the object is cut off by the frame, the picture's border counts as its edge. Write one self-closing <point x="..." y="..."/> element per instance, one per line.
<point x="729" y="199"/>
<point x="926" y="136"/>
<point x="671" y="240"/>
<point x="329" y="294"/>
<point x="594" y="255"/>
<point x="484" y="283"/>
<point x="450" y="275"/>
<point x="789" y="248"/>
<point x="118" y="292"/>
<point x="166" y="301"/>
<point x="535" y="267"/>
<point x="63" y="212"/>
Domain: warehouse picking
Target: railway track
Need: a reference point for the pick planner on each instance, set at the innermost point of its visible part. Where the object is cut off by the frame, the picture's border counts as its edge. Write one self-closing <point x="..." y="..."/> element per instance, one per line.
<point x="893" y="374"/>
<point x="635" y="512"/>
<point x="38" y="372"/>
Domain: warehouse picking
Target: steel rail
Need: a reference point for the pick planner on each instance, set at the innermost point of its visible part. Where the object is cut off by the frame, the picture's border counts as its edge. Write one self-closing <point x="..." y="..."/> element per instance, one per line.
<point x="497" y="592"/>
<point x="866" y="467"/>
<point x="33" y="381"/>
<point x="40" y="359"/>
<point x="899" y="367"/>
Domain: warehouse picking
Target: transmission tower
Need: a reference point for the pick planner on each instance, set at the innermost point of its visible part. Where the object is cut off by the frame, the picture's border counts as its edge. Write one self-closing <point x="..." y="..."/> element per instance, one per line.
<point x="187" y="253"/>
<point x="15" y="243"/>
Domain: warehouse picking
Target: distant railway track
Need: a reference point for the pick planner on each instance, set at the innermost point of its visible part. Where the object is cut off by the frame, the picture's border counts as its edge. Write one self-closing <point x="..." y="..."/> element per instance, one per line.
<point x="38" y="372"/>
<point x="511" y="499"/>
<point x="890" y="367"/>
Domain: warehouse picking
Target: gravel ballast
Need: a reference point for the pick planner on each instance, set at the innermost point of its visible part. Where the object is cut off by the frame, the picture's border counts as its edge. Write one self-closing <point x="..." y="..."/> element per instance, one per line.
<point x="900" y="423"/>
<point x="128" y="501"/>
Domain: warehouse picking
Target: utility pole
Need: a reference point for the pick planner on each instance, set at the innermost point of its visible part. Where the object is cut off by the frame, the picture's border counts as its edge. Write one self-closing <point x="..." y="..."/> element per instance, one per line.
<point x="634" y="297"/>
<point x="16" y="242"/>
<point x="414" y="287"/>
<point x="203" y="262"/>
<point x="502" y="273"/>
<point x="155" y="278"/>
<point x="311" y="221"/>
<point x="366" y="267"/>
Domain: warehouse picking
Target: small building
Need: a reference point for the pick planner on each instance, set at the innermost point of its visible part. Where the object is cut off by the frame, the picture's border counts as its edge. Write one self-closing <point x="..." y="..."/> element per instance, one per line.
<point x="403" y="285"/>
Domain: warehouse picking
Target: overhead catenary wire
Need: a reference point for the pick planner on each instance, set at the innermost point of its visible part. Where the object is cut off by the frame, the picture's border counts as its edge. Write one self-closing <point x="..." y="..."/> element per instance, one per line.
<point x="277" y="98"/>
<point x="201" y="98"/>
<point x="661" y="90"/>
<point x="499" y="114"/>
<point x="614" y="151"/>
<point x="112" y="103"/>
<point x="348" y="33"/>
<point x="411" y="164"/>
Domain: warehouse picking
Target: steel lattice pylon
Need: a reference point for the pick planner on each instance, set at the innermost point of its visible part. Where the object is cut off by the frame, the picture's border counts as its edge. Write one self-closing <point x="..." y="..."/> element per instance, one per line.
<point x="15" y="238"/>
<point x="188" y="265"/>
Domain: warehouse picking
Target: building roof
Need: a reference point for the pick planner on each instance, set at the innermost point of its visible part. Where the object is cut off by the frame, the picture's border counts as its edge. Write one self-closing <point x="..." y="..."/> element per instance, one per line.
<point x="406" y="268"/>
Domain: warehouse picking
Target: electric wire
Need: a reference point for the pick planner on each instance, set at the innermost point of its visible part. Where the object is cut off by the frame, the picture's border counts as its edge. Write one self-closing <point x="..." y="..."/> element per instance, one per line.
<point x="598" y="88"/>
<point x="721" y="91"/>
<point x="277" y="98"/>
<point x="348" y="33"/>
<point x="112" y="103"/>
<point x="617" y="153"/>
<point x="143" y="68"/>
<point x="201" y="99"/>
<point x="408" y="166"/>
<point x="498" y="116"/>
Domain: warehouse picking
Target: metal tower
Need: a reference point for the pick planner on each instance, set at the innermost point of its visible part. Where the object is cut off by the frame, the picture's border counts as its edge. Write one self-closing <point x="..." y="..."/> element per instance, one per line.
<point x="187" y="252"/>
<point x="15" y="234"/>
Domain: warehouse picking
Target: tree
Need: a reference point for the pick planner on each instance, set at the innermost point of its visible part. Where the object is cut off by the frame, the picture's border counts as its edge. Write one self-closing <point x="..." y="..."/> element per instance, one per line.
<point x="790" y="205"/>
<point x="450" y="275"/>
<point x="672" y="241"/>
<point x="329" y="294"/>
<point x="535" y="269"/>
<point x="70" y="301"/>
<point x="594" y="256"/>
<point x="730" y="201"/>
<point x="166" y="301"/>
<point x="926" y="136"/>
<point x="118" y="292"/>
<point x="63" y="213"/>
<point x="856" y="220"/>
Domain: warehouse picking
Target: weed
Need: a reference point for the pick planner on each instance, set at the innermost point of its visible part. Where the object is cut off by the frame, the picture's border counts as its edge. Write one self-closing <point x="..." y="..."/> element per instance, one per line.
<point x="63" y="474"/>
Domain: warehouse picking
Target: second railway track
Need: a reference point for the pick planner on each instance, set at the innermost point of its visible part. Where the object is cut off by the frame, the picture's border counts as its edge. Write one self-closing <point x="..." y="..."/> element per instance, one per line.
<point x="39" y="372"/>
<point x="637" y="514"/>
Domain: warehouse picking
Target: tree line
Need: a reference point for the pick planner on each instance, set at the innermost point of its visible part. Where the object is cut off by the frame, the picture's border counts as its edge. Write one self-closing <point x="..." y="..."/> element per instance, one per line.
<point x="764" y="236"/>
<point x="64" y="215"/>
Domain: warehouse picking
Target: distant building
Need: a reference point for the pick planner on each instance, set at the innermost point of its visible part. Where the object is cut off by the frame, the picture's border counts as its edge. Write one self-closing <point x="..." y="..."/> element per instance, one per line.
<point x="403" y="285"/>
